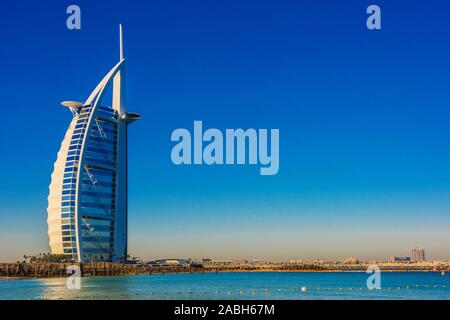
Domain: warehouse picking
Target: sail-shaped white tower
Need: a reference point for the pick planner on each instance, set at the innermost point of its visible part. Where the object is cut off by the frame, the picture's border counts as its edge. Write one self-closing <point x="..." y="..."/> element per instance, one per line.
<point x="87" y="202"/>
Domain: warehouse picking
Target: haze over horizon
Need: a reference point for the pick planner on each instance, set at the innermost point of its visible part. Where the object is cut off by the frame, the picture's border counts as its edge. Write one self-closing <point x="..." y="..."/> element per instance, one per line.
<point x="363" y="117"/>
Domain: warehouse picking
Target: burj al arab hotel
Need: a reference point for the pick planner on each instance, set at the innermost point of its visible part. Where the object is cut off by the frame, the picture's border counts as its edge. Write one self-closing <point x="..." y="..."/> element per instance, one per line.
<point x="87" y="202"/>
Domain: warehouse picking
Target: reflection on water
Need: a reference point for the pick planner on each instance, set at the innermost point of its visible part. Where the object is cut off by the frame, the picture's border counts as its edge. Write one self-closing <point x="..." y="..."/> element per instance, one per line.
<point x="234" y="286"/>
<point x="91" y="288"/>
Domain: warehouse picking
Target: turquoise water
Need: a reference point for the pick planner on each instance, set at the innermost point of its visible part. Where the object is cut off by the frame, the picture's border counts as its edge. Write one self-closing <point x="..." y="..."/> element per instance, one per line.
<point x="270" y="285"/>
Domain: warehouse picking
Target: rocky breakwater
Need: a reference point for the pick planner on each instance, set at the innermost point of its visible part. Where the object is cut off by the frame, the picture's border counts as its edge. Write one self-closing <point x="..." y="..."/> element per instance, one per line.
<point x="49" y="270"/>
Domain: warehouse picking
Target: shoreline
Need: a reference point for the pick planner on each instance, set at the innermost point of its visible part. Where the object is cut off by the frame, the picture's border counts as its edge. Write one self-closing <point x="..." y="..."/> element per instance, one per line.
<point x="330" y="271"/>
<point x="204" y="271"/>
<point x="54" y="270"/>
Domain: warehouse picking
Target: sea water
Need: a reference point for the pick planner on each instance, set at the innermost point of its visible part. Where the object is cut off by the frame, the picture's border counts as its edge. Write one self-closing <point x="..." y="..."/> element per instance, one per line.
<point x="239" y="285"/>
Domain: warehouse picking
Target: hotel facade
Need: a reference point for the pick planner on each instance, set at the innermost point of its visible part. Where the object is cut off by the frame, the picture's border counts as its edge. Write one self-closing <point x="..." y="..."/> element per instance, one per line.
<point x="87" y="202"/>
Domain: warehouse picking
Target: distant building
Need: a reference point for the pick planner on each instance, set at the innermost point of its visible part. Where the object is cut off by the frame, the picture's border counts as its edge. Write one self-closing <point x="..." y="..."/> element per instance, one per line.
<point x="351" y="260"/>
<point x="236" y="262"/>
<point x="170" y="262"/>
<point x="418" y="254"/>
<point x="400" y="259"/>
<point x="240" y="261"/>
<point x="258" y="261"/>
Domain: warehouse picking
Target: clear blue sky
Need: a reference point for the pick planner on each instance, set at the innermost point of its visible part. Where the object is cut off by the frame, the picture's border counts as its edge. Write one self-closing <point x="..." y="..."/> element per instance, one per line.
<point x="363" y="115"/>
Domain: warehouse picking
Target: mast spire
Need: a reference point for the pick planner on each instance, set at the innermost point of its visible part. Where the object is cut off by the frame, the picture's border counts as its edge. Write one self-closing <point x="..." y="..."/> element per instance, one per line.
<point x="121" y="42"/>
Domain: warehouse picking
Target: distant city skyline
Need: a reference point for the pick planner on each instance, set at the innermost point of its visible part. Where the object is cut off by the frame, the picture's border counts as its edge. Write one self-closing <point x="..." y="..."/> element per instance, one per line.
<point x="363" y="117"/>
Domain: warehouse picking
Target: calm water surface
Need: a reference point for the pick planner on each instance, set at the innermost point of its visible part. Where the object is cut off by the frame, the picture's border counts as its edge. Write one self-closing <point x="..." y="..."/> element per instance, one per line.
<point x="268" y="285"/>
